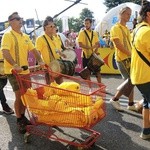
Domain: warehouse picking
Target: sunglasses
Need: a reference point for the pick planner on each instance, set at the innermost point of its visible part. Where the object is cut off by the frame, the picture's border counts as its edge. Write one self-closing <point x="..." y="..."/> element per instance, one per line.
<point x="51" y="26"/>
<point x="16" y="18"/>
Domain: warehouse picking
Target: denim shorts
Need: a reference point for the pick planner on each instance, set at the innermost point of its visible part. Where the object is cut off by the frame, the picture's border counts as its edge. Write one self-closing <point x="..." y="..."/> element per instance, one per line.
<point x="144" y="89"/>
<point x="124" y="68"/>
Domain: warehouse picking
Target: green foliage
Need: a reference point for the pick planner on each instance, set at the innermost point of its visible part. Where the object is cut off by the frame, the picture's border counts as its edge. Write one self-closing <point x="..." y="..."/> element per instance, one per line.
<point x="113" y="3"/>
<point x="38" y="22"/>
<point x="86" y="13"/>
<point x="58" y="23"/>
<point x="75" y="23"/>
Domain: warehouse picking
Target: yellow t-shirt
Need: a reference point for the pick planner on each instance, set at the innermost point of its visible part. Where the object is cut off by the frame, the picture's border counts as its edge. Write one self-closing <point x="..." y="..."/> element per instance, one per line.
<point x="58" y="43"/>
<point x="1" y="63"/>
<point x="42" y="46"/>
<point x="1" y="56"/>
<point x="24" y="46"/>
<point x="82" y="38"/>
<point x="140" y="71"/>
<point x="123" y="34"/>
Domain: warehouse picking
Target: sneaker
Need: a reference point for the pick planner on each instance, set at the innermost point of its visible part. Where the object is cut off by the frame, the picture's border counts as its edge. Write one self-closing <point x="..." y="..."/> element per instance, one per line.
<point x="7" y="110"/>
<point x="26" y="121"/>
<point x="116" y="105"/>
<point x="139" y="106"/>
<point x="133" y="108"/>
<point x="90" y="91"/>
<point x="107" y="90"/>
<point x="145" y="136"/>
<point x="21" y="126"/>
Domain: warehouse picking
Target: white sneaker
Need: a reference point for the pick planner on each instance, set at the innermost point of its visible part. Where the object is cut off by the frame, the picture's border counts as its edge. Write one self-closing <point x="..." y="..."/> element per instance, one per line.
<point x="90" y="91"/>
<point x="144" y="136"/>
<point x="116" y="105"/>
<point x="133" y="108"/>
<point x="106" y="90"/>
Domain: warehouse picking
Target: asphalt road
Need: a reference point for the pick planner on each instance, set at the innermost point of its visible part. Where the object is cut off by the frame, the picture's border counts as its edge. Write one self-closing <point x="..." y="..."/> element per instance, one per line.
<point x="119" y="130"/>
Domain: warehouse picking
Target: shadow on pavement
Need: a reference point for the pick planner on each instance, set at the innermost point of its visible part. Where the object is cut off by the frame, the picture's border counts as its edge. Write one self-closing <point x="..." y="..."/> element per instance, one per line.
<point x="118" y="133"/>
<point x="36" y="143"/>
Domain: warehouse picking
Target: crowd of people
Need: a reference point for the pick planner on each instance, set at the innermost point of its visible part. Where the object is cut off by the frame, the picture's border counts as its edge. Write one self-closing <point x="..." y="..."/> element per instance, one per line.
<point x="131" y="55"/>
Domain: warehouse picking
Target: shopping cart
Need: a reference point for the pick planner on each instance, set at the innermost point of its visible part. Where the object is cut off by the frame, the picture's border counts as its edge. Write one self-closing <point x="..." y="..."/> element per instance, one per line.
<point x="53" y="108"/>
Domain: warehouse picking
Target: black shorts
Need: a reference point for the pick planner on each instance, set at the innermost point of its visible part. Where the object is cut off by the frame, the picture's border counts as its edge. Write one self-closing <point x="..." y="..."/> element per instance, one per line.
<point x="144" y="89"/>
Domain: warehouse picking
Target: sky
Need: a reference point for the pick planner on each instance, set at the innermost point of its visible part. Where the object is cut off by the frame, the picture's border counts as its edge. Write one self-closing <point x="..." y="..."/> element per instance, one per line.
<point x="28" y="8"/>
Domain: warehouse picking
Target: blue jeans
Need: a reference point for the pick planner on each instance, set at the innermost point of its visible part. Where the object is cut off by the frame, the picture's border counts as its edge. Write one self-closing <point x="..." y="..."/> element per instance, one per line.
<point x="3" y="82"/>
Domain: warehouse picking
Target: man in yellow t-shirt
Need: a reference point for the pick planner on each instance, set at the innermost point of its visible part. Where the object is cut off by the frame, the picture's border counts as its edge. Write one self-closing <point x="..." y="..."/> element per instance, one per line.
<point x="48" y="54"/>
<point x="89" y="42"/>
<point x="140" y="65"/>
<point x="15" y="46"/>
<point x="46" y="44"/>
<point x="3" y="81"/>
<point x="120" y="35"/>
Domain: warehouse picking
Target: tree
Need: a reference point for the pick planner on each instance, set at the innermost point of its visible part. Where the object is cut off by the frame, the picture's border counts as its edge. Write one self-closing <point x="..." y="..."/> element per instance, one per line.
<point x="75" y="23"/>
<point x="58" y="23"/>
<point x="86" y="13"/>
<point x="113" y="3"/>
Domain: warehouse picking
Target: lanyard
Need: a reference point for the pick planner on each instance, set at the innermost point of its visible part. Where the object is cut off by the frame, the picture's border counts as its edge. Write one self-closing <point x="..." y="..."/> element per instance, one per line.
<point x="51" y="55"/>
<point x="16" y="49"/>
<point x="90" y="39"/>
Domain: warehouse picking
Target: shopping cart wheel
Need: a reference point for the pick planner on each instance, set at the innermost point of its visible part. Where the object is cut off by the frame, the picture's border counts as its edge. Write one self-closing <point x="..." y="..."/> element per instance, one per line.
<point x="26" y="137"/>
<point x="71" y="147"/>
<point x="81" y="148"/>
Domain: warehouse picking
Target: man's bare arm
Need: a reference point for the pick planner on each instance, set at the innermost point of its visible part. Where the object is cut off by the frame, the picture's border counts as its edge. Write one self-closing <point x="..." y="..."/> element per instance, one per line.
<point x="37" y="55"/>
<point x="96" y="46"/>
<point x="121" y="47"/>
<point x="84" y="46"/>
<point x="7" y="56"/>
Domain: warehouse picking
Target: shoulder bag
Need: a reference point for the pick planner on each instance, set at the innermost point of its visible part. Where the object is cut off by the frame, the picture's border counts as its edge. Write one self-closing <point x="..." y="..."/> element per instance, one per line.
<point x="126" y="87"/>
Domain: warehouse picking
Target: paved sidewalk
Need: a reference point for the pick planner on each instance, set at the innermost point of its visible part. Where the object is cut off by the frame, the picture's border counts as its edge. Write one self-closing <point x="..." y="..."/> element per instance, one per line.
<point x="119" y="130"/>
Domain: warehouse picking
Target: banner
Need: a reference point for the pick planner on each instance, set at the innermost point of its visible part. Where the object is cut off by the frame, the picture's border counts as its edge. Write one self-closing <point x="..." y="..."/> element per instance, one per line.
<point x="108" y="56"/>
<point x="78" y="67"/>
<point x="2" y="26"/>
<point x="30" y="23"/>
<point x="65" y="26"/>
<point x="31" y="59"/>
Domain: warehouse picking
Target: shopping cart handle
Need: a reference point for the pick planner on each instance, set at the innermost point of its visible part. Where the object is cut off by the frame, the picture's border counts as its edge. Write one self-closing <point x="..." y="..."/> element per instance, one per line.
<point x="38" y="66"/>
<point x="24" y="68"/>
<point x="33" y="67"/>
<point x="29" y="67"/>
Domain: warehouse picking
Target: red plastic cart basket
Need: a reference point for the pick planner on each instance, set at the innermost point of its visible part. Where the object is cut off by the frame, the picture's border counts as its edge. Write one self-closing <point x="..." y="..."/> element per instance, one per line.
<point x="75" y="103"/>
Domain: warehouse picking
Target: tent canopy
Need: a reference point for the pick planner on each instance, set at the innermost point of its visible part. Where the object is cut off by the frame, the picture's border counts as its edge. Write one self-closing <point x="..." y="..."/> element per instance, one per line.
<point x="111" y="17"/>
